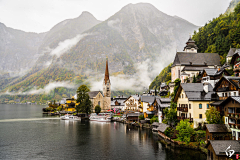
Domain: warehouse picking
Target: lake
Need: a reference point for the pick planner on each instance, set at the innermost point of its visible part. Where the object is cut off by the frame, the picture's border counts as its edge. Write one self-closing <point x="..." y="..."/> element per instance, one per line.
<point x="26" y="134"/>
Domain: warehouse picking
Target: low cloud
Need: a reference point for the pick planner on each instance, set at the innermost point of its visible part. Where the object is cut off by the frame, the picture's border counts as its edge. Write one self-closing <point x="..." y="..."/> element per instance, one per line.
<point x="66" y="45"/>
<point x="146" y="71"/>
<point x="49" y="87"/>
<point x="111" y="23"/>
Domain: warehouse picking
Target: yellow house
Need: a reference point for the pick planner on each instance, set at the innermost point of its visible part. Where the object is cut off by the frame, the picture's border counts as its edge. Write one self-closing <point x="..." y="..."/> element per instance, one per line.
<point x="193" y="100"/>
<point x="147" y="105"/>
<point x="70" y="105"/>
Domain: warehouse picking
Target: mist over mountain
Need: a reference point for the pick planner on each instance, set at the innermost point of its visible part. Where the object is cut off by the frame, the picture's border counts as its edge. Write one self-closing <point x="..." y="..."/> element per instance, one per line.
<point x="139" y="40"/>
<point x="18" y="50"/>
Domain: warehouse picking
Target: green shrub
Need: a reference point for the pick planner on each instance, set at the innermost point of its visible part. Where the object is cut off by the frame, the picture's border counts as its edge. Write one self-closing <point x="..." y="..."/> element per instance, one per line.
<point x="141" y="117"/>
<point x="154" y="119"/>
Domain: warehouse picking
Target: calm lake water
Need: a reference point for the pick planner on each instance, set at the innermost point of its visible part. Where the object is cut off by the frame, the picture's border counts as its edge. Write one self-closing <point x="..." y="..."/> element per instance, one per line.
<point x="26" y="134"/>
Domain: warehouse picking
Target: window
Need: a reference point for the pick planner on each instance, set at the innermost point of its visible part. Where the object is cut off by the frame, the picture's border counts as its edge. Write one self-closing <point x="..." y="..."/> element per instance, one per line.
<point x="232" y="101"/>
<point x="179" y="105"/>
<point x="200" y="106"/>
<point x="99" y="103"/>
<point x="222" y="94"/>
<point x="207" y="106"/>
<point x="225" y="94"/>
<point x="189" y="106"/>
<point x="234" y="93"/>
<point x="200" y="116"/>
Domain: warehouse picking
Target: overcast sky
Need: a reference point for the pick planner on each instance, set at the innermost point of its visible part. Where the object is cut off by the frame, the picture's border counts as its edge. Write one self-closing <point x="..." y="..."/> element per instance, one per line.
<point x="41" y="15"/>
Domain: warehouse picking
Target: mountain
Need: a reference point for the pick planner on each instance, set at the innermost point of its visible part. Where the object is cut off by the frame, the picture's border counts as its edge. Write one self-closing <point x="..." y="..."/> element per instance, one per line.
<point x="232" y="5"/>
<point x="135" y="34"/>
<point x="18" y="49"/>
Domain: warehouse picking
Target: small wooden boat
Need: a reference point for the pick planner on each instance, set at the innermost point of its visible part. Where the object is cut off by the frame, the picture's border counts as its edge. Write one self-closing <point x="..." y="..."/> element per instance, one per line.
<point x="70" y="117"/>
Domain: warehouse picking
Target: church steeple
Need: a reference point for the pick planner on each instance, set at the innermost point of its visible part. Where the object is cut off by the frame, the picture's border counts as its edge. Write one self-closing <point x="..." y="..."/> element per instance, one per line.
<point x="106" y="73"/>
<point x="106" y="82"/>
<point x="190" y="46"/>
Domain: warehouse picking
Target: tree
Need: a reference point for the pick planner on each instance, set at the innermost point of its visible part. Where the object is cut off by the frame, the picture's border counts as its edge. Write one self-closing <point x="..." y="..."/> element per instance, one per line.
<point x="213" y="116"/>
<point x="83" y="99"/>
<point x="97" y="109"/>
<point x="185" y="131"/>
<point x="194" y="79"/>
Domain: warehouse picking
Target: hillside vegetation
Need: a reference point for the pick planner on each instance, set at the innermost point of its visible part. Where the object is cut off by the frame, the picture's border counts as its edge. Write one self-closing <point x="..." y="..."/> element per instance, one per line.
<point x="220" y="34"/>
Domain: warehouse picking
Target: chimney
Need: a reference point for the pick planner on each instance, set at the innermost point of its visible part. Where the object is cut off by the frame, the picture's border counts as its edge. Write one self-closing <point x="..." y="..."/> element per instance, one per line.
<point x="205" y="87"/>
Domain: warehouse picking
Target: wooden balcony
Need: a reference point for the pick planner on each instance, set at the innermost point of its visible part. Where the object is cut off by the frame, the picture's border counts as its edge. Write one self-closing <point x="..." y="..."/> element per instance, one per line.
<point x="234" y="115"/>
<point x="223" y="89"/>
<point x="182" y="118"/>
<point x="182" y="109"/>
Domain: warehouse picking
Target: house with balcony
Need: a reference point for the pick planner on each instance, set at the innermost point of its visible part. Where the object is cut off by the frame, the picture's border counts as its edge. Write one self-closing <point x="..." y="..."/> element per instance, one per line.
<point x="235" y="61"/>
<point x="213" y="75"/>
<point x="131" y="103"/>
<point x="193" y="100"/>
<point x="232" y="115"/>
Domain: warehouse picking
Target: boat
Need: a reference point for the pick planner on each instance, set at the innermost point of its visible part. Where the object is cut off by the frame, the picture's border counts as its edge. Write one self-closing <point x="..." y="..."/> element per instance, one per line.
<point x="70" y="117"/>
<point x="99" y="118"/>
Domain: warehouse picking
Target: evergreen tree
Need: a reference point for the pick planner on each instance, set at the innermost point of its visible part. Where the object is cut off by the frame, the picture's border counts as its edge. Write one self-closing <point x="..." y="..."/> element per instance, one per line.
<point x="194" y="79"/>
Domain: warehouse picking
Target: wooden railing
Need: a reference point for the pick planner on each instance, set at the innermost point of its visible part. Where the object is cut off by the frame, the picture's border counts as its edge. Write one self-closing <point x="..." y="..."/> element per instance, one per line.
<point x="183" y="109"/>
<point x="182" y="118"/>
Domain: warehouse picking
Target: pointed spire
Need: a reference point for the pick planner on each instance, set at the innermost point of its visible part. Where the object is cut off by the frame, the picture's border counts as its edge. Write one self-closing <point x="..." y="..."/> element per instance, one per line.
<point x="106" y="72"/>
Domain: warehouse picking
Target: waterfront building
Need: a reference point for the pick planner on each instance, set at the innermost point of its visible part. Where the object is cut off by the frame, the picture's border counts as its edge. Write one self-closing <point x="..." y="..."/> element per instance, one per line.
<point x="217" y="132"/>
<point x="230" y="54"/>
<point x="193" y="100"/>
<point x="96" y="98"/>
<point x="188" y="63"/>
<point x="117" y="103"/>
<point x="132" y="103"/>
<point x="217" y="149"/>
<point x="147" y="105"/>
<point x="161" y="129"/>
<point x="103" y="99"/>
<point x="70" y="105"/>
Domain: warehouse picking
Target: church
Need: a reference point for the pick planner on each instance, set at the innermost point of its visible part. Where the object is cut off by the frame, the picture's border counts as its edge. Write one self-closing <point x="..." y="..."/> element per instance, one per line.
<point x="103" y="99"/>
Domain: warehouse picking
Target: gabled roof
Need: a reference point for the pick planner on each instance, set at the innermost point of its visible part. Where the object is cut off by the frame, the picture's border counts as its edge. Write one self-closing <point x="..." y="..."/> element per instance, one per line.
<point x="195" y="92"/>
<point x="233" y="80"/>
<point x="235" y="55"/>
<point x="162" y="127"/>
<point x="155" y="124"/>
<point x="235" y="98"/>
<point x="231" y="52"/>
<point x="148" y="99"/>
<point x="136" y="97"/>
<point x="93" y="93"/>
<point x="194" y="68"/>
<point x="220" y="128"/>
<point x="220" y="146"/>
<point x="186" y="58"/>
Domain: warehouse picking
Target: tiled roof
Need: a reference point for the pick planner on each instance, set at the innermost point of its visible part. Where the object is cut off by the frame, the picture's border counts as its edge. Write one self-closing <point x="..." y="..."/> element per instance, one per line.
<point x="193" y="68"/>
<point x="155" y="124"/>
<point x="231" y="52"/>
<point x="216" y="103"/>
<point x="186" y="58"/>
<point x="134" y="114"/>
<point x="149" y="99"/>
<point x="162" y="127"/>
<point x="220" y="128"/>
<point x="220" y="146"/>
<point x="236" y="99"/>
<point x="194" y="91"/>
<point x="93" y="93"/>
<point x="164" y="105"/>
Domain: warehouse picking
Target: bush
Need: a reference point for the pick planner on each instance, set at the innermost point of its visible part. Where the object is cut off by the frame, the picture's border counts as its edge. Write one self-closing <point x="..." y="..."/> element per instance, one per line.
<point x="154" y="119"/>
<point x="141" y="117"/>
<point x="185" y="131"/>
<point x="169" y="132"/>
<point x="97" y="109"/>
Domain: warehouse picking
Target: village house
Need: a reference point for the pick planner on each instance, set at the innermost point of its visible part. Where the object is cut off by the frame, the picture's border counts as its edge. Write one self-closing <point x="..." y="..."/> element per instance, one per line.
<point x="230" y="55"/>
<point x="217" y="132"/>
<point x="232" y="115"/>
<point x="235" y="61"/>
<point x="193" y="100"/>
<point x="70" y="105"/>
<point x="213" y="75"/>
<point x="189" y="63"/>
<point x="117" y="103"/>
<point x="162" y="103"/>
<point x="217" y="149"/>
<point x="133" y="117"/>
<point x="147" y="105"/>
<point x="131" y="103"/>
